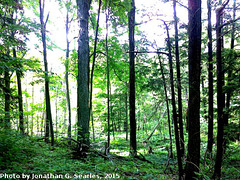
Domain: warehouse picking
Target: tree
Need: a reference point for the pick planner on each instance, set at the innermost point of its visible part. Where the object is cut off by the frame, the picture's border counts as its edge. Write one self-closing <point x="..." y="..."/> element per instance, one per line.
<point x="229" y="71"/>
<point x="12" y="24"/>
<point x="20" y="97"/>
<point x="67" y="71"/>
<point x="93" y="65"/>
<point x="7" y="97"/>
<point x="49" y="123"/>
<point x="108" y="82"/>
<point x="220" y="94"/>
<point x="131" y="25"/>
<point x="178" y="81"/>
<point x="83" y="7"/>
<point x="167" y="104"/>
<point x="210" y="80"/>
<point x="194" y="58"/>
<point x="174" y="111"/>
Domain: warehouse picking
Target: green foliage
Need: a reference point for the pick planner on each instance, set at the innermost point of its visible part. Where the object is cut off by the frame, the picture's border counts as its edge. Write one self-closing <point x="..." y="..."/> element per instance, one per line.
<point x="14" y="148"/>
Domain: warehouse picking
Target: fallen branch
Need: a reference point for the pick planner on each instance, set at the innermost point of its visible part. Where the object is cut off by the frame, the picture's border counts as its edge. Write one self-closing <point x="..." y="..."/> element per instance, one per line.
<point x="142" y="158"/>
<point x="154" y="129"/>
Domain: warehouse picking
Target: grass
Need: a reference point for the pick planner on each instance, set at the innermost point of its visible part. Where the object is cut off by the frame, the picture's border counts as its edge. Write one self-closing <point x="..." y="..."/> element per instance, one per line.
<point x="24" y="155"/>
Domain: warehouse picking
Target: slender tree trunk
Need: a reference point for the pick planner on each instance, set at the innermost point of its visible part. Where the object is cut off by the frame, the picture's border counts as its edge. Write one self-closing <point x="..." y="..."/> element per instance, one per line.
<point x="108" y="83"/>
<point x="27" y="121"/>
<point x="131" y="25"/>
<point x="32" y="123"/>
<point x="194" y="59"/>
<point x="210" y="80"/>
<point x="37" y="124"/>
<point x="83" y="7"/>
<point x="7" y="96"/>
<point x="220" y="94"/>
<point x="174" y="111"/>
<point x="93" y="65"/>
<point x="126" y="116"/>
<point x="168" y="112"/>
<point x="178" y="81"/>
<point x="49" y="122"/>
<point x="111" y="112"/>
<point x="56" y="118"/>
<point x="67" y="81"/>
<point x="229" y="94"/>
<point x="20" y="98"/>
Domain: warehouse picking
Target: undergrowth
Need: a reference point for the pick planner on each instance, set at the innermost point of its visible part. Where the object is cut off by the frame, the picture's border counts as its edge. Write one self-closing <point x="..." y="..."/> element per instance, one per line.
<point x="23" y="154"/>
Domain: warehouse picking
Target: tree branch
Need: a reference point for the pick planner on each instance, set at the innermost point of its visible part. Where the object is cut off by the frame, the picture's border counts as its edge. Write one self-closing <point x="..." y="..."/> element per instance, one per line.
<point x="157" y="52"/>
<point x="46" y="20"/>
<point x="229" y="22"/>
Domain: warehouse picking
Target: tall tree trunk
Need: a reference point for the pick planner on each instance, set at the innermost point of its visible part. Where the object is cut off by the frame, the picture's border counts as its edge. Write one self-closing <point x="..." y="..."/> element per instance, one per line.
<point x="20" y="98"/>
<point x="83" y="7"/>
<point x="210" y="80"/>
<point x="180" y="120"/>
<point x="7" y="96"/>
<point x="168" y="112"/>
<point x="56" y="118"/>
<point x="27" y="120"/>
<point x="220" y="94"/>
<point x="66" y="79"/>
<point x="174" y="111"/>
<point x="108" y="84"/>
<point x="126" y="116"/>
<point x="49" y="122"/>
<point x="32" y="123"/>
<point x="93" y="65"/>
<point x="131" y="25"/>
<point x="229" y="93"/>
<point x="194" y="59"/>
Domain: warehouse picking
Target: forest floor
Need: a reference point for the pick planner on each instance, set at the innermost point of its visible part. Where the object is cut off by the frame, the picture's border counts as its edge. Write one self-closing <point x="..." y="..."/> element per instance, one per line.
<point x="24" y="157"/>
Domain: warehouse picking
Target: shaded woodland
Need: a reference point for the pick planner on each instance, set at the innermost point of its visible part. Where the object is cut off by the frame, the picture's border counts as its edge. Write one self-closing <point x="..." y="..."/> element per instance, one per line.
<point x="119" y="89"/>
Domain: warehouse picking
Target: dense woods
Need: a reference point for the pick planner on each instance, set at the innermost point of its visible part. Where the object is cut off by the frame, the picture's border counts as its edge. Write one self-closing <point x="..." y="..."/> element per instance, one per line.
<point x="119" y="89"/>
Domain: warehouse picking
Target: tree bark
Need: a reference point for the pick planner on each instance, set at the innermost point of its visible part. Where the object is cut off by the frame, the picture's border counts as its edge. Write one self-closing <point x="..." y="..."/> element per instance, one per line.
<point x="174" y="111"/>
<point x="126" y="116"/>
<point x="229" y="72"/>
<point x="67" y="80"/>
<point x="180" y="120"/>
<point x="49" y="122"/>
<point x="210" y="80"/>
<point x="108" y="83"/>
<point x="131" y="25"/>
<point x="220" y="94"/>
<point x="194" y="59"/>
<point x="93" y="65"/>
<point x="7" y="96"/>
<point x="20" y="98"/>
<point x="83" y="7"/>
<point x="32" y="118"/>
<point x="168" y="112"/>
